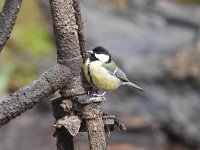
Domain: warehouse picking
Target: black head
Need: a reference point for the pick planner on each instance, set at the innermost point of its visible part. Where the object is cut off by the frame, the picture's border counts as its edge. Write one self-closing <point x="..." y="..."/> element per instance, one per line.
<point x="100" y="50"/>
<point x="101" y="54"/>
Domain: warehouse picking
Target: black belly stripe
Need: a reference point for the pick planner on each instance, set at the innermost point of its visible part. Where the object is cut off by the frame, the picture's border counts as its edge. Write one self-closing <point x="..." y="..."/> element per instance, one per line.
<point x="89" y="74"/>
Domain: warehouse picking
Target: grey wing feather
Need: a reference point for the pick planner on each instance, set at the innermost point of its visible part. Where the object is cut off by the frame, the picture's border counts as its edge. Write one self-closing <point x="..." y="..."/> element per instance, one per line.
<point x="121" y="75"/>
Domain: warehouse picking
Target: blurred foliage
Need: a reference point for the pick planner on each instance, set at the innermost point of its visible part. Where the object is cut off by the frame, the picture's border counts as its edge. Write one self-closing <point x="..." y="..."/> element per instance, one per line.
<point x="5" y="75"/>
<point x="33" y="38"/>
<point x="30" y="43"/>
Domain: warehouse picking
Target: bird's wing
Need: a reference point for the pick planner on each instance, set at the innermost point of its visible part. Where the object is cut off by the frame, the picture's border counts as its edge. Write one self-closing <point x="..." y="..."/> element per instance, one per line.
<point x="114" y="70"/>
<point x="121" y="75"/>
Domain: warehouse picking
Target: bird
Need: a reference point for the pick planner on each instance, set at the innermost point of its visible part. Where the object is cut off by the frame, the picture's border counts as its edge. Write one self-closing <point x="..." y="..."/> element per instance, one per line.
<point x="102" y="72"/>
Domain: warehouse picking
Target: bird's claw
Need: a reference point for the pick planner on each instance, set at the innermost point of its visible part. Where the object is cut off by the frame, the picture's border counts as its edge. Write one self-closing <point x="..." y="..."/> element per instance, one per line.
<point x="94" y="99"/>
<point x="100" y="95"/>
<point x="95" y="95"/>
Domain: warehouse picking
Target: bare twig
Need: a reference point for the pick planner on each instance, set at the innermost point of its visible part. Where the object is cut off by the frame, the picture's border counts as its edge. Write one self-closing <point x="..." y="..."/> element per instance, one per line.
<point x="7" y="19"/>
<point x="28" y="96"/>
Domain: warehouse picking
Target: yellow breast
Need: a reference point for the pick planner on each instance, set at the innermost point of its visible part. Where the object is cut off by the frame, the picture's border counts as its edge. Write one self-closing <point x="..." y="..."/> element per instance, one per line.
<point x="85" y="70"/>
<point x="101" y="78"/>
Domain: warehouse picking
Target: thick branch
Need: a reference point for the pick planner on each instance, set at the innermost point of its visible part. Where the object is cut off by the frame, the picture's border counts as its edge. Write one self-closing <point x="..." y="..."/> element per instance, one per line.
<point x="7" y="19"/>
<point x="82" y="41"/>
<point x="28" y="96"/>
<point x="70" y="43"/>
<point x="93" y="113"/>
<point x="66" y="31"/>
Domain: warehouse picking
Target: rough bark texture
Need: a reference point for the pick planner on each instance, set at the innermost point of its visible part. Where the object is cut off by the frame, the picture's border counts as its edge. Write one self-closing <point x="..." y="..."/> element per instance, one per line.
<point x="82" y="41"/>
<point x="7" y="19"/>
<point x="69" y="30"/>
<point x="67" y="77"/>
<point x="66" y="31"/>
<point x="64" y="138"/>
<point x="93" y="113"/>
<point x="26" y="97"/>
<point x="67" y="41"/>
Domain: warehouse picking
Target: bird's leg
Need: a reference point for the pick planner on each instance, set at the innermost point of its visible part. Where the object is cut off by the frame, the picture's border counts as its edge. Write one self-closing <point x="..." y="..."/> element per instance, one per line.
<point x="95" y="97"/>
<point x="92" y="91"/>
<point x="99" y="95"/>
<point x="94" y="94"/>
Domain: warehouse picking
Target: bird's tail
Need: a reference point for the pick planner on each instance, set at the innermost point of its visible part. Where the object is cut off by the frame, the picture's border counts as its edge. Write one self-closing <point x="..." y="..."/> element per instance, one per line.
<point x="134" y="85"/>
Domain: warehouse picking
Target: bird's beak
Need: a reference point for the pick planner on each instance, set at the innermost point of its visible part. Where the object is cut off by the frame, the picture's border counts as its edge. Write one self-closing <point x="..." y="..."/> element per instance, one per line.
<point x="90" y="52"/>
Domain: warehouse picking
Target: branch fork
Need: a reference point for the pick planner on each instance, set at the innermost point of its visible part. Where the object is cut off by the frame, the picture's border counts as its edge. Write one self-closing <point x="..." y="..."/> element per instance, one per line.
<point x="72" y="109"/>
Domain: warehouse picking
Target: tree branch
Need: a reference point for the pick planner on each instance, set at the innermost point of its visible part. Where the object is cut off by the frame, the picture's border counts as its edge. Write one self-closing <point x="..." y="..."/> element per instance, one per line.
<point x="70" y="41"/>
<point x="67" y="76"/>
<point x="7" y="19"/>
<point x="93" y="113"/>
<point x="26" y="97"/>
<point x="82" y="41"/>
<point x="57" y="78"/>
<point x="65" y="30"/>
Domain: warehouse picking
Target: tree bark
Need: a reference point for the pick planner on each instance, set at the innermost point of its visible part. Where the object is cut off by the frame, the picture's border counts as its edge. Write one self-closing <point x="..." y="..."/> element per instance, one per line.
<point x="66" y="76"/>
<point x="93" y="113"/>
<point x="8" y="18"/>
<point x="70" y="43"/>
<point x="26" y="97"/>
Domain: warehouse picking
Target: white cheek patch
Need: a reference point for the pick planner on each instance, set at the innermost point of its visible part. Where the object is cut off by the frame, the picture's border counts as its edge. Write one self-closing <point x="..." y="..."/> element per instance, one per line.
<point x="102" y="57"/>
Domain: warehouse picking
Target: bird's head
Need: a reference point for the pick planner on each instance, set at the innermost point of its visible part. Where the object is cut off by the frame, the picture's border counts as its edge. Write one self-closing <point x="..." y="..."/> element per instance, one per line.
<point x="100" y="54"/>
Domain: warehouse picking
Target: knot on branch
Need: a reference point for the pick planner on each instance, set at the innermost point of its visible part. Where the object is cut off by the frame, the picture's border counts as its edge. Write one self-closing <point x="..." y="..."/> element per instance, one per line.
<point x="62" y="107"/>
<point x="64" y="113"/>
<point x="67" y="106"/>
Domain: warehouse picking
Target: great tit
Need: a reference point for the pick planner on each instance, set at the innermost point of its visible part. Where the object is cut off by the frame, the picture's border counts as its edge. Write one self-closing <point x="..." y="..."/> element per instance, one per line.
<point x="102" y="72"/>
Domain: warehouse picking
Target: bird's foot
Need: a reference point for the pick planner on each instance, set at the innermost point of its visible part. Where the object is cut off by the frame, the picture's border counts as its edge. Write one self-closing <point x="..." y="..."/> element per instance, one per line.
<point x="99" y="95"/>
<point x="96" y="95"/>
<point x="94" y="100"/>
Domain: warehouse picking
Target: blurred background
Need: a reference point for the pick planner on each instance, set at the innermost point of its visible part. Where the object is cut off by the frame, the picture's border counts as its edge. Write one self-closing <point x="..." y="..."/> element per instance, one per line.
<point x="157" y="44"/>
